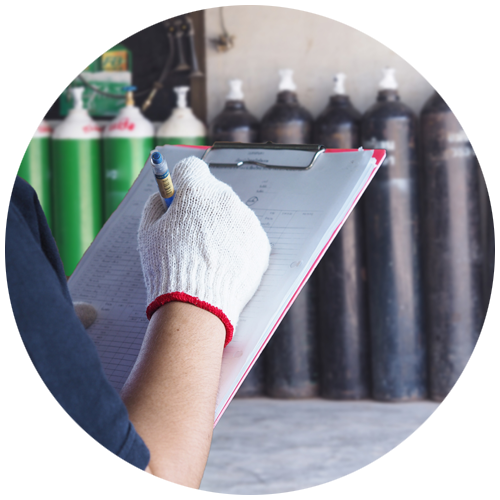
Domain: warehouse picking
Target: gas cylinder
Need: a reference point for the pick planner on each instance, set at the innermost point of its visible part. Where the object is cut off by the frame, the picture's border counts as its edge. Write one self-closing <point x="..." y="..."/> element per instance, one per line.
<point x="182" y="127"/>
<point x="452" y="245"/>
<point x="35" y="167"/>
<point x="393" y="250"/>
<point x="341" y="307"/>
<point x="77" y="191"/>
<point x="287" y="122"/>
<point x="234" y="123"/>
<point x="291" y="367"/>
<point x="127" y="142"/>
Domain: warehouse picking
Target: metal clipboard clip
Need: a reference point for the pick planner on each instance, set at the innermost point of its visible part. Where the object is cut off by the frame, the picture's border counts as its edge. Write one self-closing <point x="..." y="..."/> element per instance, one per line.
<point x="266" y="154"/>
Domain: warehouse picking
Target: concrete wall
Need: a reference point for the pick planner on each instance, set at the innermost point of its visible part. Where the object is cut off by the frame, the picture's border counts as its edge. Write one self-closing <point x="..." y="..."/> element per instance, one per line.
<point x="270" y="38"/>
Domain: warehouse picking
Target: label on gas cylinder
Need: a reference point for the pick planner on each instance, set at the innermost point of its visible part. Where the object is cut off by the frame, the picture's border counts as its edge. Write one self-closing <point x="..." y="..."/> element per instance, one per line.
<point x="115" y="60"/>
<point x="165" y="185"/>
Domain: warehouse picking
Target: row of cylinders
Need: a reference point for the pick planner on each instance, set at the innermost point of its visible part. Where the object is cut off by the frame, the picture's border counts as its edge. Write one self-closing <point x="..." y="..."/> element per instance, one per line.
<point x="370" y="322"/>
<point x="395" y="307"/>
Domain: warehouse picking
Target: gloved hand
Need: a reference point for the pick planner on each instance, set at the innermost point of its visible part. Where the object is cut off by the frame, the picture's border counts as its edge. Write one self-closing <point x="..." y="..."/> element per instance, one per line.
<point x="207" y="249"/>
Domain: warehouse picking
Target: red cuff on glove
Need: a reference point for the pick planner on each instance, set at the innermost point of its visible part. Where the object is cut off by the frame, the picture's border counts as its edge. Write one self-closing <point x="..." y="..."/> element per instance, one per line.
<point x="184" y="297"/>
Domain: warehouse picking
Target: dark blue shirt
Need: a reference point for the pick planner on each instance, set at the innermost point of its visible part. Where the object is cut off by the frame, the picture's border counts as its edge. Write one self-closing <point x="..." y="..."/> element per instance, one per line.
<point x="58" y="345"/>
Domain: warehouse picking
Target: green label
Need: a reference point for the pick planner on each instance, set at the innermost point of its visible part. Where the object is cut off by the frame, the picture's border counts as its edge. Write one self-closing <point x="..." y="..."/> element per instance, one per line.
<point x="116" y="60"/>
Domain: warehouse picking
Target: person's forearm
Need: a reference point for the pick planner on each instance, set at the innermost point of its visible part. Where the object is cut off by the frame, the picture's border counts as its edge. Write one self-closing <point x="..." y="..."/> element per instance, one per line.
<point x="171" y="392"/>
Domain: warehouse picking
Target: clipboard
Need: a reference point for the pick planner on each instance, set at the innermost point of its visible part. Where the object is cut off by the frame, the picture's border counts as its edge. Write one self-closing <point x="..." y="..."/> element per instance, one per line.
<point x="302" y="194"/>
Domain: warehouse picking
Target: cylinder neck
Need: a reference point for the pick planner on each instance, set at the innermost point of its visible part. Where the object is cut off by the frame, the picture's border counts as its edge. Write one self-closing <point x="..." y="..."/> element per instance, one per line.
<point x="234" y="105"/>
<point x="287" y="97"/>
<point x="340" y="100"/>
<point x="387" y="95"/>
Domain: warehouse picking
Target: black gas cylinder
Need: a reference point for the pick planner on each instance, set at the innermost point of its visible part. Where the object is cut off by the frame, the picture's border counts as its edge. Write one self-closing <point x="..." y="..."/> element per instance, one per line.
<point x="453" y="259"/>
<point x="287" y="122"/>
<point x="234" y="123"/>
<point x="291" y="369"/>
<point x="393" y="250"/>
<point x="341" y="275"/>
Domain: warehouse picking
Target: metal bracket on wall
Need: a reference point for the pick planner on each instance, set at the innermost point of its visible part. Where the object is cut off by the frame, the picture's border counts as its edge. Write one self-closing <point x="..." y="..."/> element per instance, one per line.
<point x="224" y="41"/>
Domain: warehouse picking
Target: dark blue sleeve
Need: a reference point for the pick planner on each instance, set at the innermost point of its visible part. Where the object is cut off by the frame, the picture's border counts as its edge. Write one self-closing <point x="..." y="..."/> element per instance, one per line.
<point x="58" y="345"/>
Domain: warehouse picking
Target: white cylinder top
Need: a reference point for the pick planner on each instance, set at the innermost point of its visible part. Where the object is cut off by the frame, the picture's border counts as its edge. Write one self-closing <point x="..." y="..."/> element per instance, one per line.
<point x="338" y="84"/>
<point x="235" y="92"/>
<point x="77" y="93"/>
<point x="129" y="123"/>
<point x="182" y="123"/>
<point x="78" y="124"/>
<point x="181" y="96"/>
<point x="43" y="130"/>
<point x="286" y="80"/>
<point x="388" y="81"/>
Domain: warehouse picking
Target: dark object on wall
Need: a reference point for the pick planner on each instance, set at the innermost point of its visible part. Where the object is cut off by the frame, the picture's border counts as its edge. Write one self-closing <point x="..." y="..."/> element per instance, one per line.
<point x="224" y="41"/>
<point x="392" y="242"/>
<point x="287" y="122"/>
<point x="195" y="67"/>
<point x="253" y="385"/>
<point x="291" y="356"/>
<point x="341" y="307"/>
<point x="454" y="303"/>
<point x="234" y="123"/>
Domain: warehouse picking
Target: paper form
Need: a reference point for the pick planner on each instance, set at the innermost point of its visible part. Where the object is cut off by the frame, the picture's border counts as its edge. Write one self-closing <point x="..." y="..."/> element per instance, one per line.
<point x="300" y="212"/>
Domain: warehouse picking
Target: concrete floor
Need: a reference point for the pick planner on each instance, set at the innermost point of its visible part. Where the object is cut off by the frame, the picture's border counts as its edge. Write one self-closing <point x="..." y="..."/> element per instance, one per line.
<point x="263" y="446"/>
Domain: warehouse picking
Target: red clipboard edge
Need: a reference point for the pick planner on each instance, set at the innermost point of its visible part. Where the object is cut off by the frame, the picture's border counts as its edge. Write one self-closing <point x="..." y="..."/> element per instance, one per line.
<point x="379" y="155"/>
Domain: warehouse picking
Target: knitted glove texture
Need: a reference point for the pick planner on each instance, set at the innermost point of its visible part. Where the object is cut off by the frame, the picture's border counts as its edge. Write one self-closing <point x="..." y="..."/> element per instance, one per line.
<point x="208" y="248"/>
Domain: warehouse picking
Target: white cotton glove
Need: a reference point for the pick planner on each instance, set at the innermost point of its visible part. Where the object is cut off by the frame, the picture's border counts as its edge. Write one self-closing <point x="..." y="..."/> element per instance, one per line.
<point x="207" y="249"/>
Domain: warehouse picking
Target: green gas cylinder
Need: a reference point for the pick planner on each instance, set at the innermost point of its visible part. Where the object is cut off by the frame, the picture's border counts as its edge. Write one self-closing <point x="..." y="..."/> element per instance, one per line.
<point x="35" y="167"/>
<point x="77" y="206"/>
<point x="182" y="127"/>
<point x="128" y="140"/>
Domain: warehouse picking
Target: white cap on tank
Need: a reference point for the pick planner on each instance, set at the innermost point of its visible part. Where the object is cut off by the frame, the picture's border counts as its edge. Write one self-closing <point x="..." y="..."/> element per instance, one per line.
<point x="388" y="81"/>
<point x="338" y="84"/>
<point x="77" y="93"/>
<point x="78" y="124"/>
<point x="235" y="92"/>
<point x="181" y="96"/>
<point x="286" y="80"/>
<point x="182" y="122"/>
